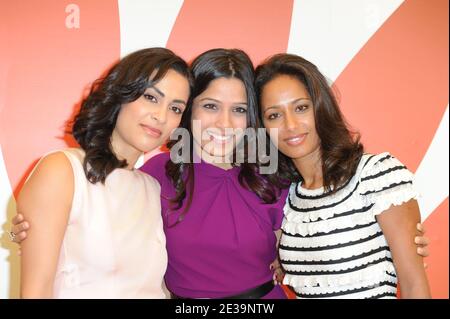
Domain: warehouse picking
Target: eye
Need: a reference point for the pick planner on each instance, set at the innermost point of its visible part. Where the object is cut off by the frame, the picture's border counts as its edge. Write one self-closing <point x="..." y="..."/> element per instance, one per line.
<point x="150" y="97"/>
<point x="240" y="109"/>
<point x="176" y="109"/>
<point x="301" y="108"/>
<point x="210" y="106"/>
<point x="273" y="116"/>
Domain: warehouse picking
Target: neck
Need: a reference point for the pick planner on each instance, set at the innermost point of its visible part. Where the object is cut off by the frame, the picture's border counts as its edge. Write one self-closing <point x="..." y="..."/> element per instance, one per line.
<point x="310" y="167"/>
<point x="225" y="166"/>
<point x="124" y="152"/>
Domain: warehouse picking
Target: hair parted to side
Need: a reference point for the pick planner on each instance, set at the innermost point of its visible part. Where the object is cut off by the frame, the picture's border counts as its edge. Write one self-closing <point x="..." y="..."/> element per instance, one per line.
<point x="211" y="65"/>
<point x="124" y="83"/>
<point x="340" y="148"/>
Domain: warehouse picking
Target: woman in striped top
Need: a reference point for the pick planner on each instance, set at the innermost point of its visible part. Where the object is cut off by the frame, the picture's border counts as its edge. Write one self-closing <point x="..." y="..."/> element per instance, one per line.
<point x="350" y="217"/>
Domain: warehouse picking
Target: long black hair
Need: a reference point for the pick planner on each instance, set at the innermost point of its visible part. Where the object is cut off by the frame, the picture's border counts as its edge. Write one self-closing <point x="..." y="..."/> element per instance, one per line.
<point x="340" y="148"/>
<point x="124" y="83"/>
<point x="211" y="65"/>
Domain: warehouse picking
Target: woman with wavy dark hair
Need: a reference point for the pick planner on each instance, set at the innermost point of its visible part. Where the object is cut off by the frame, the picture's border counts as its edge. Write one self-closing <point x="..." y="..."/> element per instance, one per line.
<point x="219" y="215"/>
<point x="350" y="217"/>
<point x="91" y="211"/>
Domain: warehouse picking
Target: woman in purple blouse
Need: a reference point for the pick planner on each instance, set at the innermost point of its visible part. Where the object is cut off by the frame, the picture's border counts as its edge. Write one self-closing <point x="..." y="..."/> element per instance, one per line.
<point x="219" y="217"/>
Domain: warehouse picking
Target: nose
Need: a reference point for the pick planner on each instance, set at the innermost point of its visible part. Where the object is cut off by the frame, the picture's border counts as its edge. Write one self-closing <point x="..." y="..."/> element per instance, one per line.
<point x="224" y="120"/>
<point x="160" y="114"/>
<point x="290" y="121"/>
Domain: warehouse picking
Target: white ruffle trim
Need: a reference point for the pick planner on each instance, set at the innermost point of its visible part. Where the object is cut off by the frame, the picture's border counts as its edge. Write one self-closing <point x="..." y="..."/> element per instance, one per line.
<point x="374" y="273"/>
<point x="339" y="266"/>
<point x="347" y="288"/>
<point x="298" y="222"/>
<point x="350" y="204"/>
<point x="297" y="226"/>
<point x="376" y="292"/>
<point x="330" y="199"/>
<point x="327" y="200"/>
<point x="391" y="197"/>
<point x="336" y="253"/>
<point x="375" y="167"/>
<point x="331" y="239"/>
<point x="377" y="184"/>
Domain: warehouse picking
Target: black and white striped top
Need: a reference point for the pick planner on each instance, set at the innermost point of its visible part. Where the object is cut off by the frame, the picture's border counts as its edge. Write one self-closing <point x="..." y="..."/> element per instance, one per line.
<point x="332" y="245"/>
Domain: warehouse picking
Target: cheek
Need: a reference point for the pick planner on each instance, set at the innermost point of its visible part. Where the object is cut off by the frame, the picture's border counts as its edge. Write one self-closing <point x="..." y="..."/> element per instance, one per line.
<point x="174" y="121"/>
<point x="195" y="114"/>
<point x="315" y="140"/>
<point x="311" y="126"/>
<point x="172" y="124"/>
<point x="199" y="113"/>
<point x="130" y="115"/>
<point x="123" y="120"/>
<point x="308" y="121"/>
<point x="273" y="129"/>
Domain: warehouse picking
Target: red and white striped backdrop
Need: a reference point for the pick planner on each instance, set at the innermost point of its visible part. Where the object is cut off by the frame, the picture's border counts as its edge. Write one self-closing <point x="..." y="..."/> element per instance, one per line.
<point x="388" y="59"/>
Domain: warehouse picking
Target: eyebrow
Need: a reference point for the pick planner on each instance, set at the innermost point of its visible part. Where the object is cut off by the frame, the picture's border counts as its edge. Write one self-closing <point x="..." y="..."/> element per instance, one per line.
<point x="220" y="102"/>
<point x="157" y="90"/>
<point x="163" y="95"/>
<point x="294" y="101"/>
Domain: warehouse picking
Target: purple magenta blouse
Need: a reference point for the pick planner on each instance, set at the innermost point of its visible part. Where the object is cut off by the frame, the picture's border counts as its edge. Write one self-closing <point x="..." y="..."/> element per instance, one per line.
<point x="226" y="241"/>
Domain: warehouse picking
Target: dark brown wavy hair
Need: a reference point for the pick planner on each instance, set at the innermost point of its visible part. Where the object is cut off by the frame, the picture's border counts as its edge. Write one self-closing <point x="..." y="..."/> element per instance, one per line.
<point x="124" y="83"/>
<point x="211" y="65"/>
<point x="340" y="148"/>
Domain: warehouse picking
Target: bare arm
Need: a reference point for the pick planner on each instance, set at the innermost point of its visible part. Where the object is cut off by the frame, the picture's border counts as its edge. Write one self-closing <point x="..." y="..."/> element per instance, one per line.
<point x="45" y="202"/>
<point x="278" y="235"/>
<point x="275" y="266"/>
<point x="399" y="227"/>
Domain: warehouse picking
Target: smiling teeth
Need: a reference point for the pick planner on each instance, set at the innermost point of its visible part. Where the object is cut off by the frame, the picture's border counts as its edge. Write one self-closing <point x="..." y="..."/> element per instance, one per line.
<point x="221" y="137"/>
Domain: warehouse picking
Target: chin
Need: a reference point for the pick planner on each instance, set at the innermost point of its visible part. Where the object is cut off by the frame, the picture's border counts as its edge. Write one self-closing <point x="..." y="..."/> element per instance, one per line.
<point x="293" y="154"/>
<point x="223" y="153"/>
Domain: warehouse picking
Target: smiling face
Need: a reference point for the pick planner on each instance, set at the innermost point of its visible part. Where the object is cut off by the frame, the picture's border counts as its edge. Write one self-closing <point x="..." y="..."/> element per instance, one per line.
<point x="221" y="112"/>
<point x="287" y="106"/>
<point x="146" y="123"/>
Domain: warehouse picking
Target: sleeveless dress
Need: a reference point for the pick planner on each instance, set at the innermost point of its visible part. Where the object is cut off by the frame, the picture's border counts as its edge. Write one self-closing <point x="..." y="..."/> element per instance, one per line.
<point x="332" y="245"/>
<point x="114" y="244"/>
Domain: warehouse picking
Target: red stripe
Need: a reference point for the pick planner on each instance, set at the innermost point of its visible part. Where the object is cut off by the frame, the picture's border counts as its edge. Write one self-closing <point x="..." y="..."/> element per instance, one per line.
<point x="395" y="90"/>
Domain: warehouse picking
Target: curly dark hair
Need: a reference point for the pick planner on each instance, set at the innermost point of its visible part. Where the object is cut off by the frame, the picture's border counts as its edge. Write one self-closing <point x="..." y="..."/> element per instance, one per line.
<point x="124" y="83"/>
<point x="211" y="65"/>
<point x="340" y="148"/>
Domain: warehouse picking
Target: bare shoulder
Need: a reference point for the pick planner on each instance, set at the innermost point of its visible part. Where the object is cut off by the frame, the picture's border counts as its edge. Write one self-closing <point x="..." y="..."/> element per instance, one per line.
<point x="55" y="161"/>
<point x="51" y="179"/>
<point x="52" y="168"/>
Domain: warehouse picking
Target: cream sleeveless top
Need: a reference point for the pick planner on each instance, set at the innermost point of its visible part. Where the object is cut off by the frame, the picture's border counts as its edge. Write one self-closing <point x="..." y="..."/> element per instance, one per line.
<point x="114" y="245"/>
